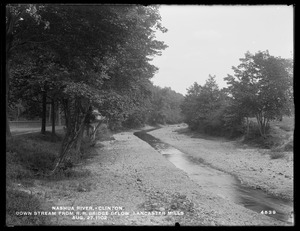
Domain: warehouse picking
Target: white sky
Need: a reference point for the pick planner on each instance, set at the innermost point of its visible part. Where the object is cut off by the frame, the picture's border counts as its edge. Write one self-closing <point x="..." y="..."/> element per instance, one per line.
<point x="207" y="40"/>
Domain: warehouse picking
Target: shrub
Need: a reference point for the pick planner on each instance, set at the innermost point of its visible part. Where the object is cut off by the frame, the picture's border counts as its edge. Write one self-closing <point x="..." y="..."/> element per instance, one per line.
<point x="104" y="133"/>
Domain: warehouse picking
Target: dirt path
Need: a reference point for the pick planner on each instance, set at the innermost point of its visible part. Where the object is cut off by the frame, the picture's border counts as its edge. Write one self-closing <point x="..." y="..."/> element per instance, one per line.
<point x="252" y="166"/>
<point x="129" y="179"/>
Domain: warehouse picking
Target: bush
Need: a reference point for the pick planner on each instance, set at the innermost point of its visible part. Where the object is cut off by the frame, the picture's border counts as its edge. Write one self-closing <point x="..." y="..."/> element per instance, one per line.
<point x="104" y="133"/>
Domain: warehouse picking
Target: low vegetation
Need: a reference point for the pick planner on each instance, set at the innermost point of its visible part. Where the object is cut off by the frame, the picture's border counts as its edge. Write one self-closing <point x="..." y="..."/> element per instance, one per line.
<point x="28" y="158"/>
<point x="17" y="201"/>
<point x="279" y="136"/>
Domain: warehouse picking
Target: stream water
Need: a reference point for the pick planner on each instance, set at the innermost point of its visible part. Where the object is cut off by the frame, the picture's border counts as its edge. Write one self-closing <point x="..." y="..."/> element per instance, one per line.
<point x="221" y="183"/>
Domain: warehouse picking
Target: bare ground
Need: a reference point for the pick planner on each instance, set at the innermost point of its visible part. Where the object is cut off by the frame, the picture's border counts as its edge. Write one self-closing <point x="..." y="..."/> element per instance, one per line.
<point x="129" y="174"/>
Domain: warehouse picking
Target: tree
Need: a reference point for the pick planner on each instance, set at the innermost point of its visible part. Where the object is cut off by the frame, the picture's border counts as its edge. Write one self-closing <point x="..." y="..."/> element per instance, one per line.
<point x="23" y="23"/>
<point x="262" y="87"/>
<point x="189" y="106"/>
<point x="165" y="106"/>
<point x="204" y="107"/>
<point x="34" y="79"/>
<point x="96" y="57"/>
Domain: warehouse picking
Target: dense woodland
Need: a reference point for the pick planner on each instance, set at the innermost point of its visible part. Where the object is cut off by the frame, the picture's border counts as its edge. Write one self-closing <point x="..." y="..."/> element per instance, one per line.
<point x="80" y="59"/>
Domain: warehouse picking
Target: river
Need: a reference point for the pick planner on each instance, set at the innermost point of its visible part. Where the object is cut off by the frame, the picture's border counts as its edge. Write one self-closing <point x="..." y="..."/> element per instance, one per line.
<point x="220" y="183"/>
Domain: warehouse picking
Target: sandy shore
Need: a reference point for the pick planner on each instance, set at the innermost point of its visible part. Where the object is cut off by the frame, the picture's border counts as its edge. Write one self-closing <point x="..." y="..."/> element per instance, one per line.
<point x="252" y="166"/>
<point x="128" y="176"/>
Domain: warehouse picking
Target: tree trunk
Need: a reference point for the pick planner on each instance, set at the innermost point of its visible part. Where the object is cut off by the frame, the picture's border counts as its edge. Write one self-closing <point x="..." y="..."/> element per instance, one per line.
<point x="93" y="135"/>
<point x="260" y="125"/>
<point x="58" y="115"/>
<point x="66" y="108"/>
<point x="247" y="131"/>
<point x="53" y="117"/>
<point x="44" y="110"/>
<point x="79" y="140"/>
<point x="71" y="139"/>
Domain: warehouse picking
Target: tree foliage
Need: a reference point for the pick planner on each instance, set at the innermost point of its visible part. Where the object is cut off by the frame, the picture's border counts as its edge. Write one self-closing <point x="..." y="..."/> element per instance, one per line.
<point x="262" y="87"/>
<point x="204" y="107"/>
<point x="83" y="57"/>
<point x="165" y="106"/>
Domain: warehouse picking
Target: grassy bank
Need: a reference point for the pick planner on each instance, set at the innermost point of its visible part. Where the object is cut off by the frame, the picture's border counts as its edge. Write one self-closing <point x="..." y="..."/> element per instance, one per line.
<point x="28" y="157"/>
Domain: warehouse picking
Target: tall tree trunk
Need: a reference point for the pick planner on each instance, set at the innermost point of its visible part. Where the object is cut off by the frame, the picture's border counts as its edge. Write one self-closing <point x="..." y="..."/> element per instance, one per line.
<point x="53" y="117"/>
<point x="44" y="111"/>
<point x="247" y="132"/>
<point x="18" y="110"/>
<point x="58" y="115"/>
<point x="260" y="124"/>
<point x="79" y="140"/>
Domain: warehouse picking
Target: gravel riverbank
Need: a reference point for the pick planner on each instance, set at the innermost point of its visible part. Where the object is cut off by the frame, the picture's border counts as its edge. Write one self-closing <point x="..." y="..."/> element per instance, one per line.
<point x="252" y="166"/>
<point x="129" y="183"/>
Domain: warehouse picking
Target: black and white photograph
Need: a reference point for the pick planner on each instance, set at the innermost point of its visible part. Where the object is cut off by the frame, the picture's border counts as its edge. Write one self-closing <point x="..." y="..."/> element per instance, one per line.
<point x="173" y="115"/>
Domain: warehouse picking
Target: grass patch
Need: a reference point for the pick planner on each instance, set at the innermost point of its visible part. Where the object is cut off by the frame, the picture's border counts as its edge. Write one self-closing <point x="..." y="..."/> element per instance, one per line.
<point x="17" y="201"/>
<point x="14" y="168"/>
<point x="35" y="154"/>
<point x="48" y="137"/>
<point x="32" y="154"/>
<point x="26" y="156"/>
<point x="29" y="157"/>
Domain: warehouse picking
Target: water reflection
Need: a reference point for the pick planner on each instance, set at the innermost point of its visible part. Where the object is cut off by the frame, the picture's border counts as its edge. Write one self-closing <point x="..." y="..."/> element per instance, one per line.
<point x="220" y="183"/>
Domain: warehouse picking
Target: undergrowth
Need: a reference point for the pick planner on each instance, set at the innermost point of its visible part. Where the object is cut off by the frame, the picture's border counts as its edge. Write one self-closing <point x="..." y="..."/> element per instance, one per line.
<point x="28" y="158"/>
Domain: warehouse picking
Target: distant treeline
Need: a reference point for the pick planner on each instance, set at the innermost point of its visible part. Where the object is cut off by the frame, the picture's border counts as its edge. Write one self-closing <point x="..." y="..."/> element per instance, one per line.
<point x="261" y="87"/>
